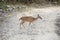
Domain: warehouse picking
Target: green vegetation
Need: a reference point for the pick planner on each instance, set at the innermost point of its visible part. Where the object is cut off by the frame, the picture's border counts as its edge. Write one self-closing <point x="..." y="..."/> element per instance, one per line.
<point x="58" y="1"/>
<point x="4" y="3"/>
<point x="28" y="1"/>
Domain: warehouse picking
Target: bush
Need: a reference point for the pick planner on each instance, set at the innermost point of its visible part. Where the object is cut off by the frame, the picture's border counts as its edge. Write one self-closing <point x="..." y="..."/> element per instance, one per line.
<point x="3" y="6"/>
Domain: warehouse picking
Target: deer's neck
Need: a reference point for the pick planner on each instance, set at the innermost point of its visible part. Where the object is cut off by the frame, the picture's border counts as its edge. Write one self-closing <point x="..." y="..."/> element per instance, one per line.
<point x="36" y="18"/>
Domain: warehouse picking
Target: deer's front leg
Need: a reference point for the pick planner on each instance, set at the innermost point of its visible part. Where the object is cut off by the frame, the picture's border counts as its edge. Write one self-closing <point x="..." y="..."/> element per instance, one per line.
<point x="29" y="23"/>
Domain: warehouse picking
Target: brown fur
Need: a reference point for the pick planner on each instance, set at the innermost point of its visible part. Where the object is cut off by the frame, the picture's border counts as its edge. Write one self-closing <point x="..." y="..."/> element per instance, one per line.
<point x="28" y="19"/>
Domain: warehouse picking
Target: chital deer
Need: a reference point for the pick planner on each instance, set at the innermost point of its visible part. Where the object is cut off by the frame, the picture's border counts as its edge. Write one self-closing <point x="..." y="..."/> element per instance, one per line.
<point x="28" y="19"/>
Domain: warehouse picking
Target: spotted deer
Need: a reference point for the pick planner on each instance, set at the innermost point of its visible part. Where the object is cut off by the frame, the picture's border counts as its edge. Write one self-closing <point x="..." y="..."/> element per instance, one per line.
<point x="29" y="19"/>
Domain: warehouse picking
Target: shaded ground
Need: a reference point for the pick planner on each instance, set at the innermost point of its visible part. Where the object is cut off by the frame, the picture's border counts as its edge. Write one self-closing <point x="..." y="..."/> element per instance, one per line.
<point x="41" y="29"/>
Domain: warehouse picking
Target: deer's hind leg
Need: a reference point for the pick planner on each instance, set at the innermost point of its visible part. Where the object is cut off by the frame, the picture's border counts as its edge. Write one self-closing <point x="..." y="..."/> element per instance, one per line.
<point x="22" y="22"/>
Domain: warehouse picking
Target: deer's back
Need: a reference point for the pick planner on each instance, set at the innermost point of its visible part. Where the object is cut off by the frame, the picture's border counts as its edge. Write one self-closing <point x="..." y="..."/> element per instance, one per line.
<point x="29" y="19"/>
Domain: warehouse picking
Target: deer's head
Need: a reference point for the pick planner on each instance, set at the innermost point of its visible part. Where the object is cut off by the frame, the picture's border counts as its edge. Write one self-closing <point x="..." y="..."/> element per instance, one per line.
<point x="39" y="16"/>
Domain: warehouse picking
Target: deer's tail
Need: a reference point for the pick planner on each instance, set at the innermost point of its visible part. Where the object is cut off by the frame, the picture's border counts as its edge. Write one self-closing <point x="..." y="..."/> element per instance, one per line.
<point x="20" y="18"/>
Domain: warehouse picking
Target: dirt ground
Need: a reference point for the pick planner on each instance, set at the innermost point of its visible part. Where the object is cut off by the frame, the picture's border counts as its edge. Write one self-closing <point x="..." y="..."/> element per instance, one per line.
<point x="46" y="29"/>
